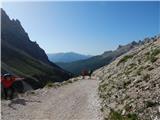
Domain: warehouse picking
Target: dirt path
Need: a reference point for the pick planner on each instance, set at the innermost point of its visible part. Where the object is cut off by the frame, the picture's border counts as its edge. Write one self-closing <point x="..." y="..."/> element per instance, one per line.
<point x="76" y="101"/>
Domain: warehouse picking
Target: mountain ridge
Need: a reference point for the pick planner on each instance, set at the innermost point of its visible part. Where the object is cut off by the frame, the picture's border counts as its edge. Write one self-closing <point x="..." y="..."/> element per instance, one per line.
<point x="66" y="57"/>
<point x="14" y="27"/>
<point x="98" y="61"/>
<point x="23" y="57"/>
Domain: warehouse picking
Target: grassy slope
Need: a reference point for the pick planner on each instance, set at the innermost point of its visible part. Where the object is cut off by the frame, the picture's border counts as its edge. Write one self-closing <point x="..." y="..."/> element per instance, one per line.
<point x="20" y="63"/>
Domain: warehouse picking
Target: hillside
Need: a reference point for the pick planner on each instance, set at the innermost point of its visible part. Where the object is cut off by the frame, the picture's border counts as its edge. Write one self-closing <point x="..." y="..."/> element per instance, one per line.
<point x="130" y="86"/>
<point x="66" y="57"/>
<point x="21" y="56"/>
<point x="98" y="61"/>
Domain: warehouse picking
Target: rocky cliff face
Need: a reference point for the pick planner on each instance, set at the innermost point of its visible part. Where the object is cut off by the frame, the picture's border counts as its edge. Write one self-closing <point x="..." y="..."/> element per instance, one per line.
<point x="130" y="86"/>
<point x="21" y="56"/>
<point x="13" y="33"/>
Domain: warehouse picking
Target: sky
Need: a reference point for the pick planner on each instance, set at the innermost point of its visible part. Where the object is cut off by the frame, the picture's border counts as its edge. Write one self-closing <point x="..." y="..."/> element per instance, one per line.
<point x="86" y="27"/>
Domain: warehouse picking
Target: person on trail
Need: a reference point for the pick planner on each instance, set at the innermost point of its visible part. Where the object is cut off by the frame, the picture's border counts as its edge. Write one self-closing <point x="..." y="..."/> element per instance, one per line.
<point x="90" y="73"/>
<point x="84" y="73"/>
<point x="7" y="80"/>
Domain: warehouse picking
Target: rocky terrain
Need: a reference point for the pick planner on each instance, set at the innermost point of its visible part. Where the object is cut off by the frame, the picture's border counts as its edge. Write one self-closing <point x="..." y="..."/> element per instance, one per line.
<point x="130" y="86"/>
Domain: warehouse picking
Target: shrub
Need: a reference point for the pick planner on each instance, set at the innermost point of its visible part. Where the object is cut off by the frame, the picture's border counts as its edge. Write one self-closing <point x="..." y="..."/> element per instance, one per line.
<point x="32" y="92"/>
<point x="152" y="56"/>
<point x="132" y="116"/>
<point x="128" y="107"/>
<point x="147" y="53"/>
<point x="70" y="81"/>
<point x="126" y="83"/>
<point x="102" y="109"/>
<point x="153" y="59"/>
<point x="127" y="72"/>
<point x="49" y="84"/>
<point x="146" y="77"/>
<point x="150" y="68"/>
<point x="125" y="58"/>
<point x="117" y="116"/>
<point x="156" y="51"/>
<point x="150" y="104"/>
<point x="140" y="70"/>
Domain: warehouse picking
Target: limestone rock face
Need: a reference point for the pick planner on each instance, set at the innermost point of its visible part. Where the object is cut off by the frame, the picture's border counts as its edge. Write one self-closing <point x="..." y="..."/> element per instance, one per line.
<point x="14" y="34"/>
<point x="23" y="57"/>
<point x="130" y="86"/>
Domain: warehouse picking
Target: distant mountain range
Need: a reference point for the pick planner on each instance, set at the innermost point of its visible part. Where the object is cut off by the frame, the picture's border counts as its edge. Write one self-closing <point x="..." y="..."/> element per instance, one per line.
<point x="67" y="57"/>
<point x="21" y="56"/>
<point x="98" y="61"/>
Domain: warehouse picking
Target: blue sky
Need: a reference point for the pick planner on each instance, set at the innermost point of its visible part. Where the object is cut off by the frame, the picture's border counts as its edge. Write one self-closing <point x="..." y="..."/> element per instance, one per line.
<point x="86" y="27"/>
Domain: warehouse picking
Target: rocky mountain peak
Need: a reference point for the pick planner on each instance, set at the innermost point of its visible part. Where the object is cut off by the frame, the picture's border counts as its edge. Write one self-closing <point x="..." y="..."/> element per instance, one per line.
<point x="13" y="33"/>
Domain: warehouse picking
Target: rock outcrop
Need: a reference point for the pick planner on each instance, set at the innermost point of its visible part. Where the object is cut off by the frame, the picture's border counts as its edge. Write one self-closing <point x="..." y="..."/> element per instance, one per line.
<point x="130" y="86"/>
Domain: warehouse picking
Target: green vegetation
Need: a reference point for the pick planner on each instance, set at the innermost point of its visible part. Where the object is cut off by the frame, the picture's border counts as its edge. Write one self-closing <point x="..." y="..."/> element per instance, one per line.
<point x="146" y="77"/>
<point x="124" y="59"/>
<point x="126" y="83"/>
<point x="102" y="109"/>
<point x="150" y="104"/>
<point x="70" y="81"/>
<point x="32" y="92"/>
<point x="103" y="87"/>
<point x="152" y="55"/>
<point x="150" y="68"/>
<point x="118" y="116"/>
<point x="139" y="70"/>
<point x="132" y="117"/>
<point x="131" y="67"/>
<point x="153" y="59"/>
<point x="50" y="85"/>
<point x="156" y="51"/>
<point x="127" y="72"/>
<point x="22" y="64"/>
<point x="115" y="116"/>
<point x="147" y="53"/>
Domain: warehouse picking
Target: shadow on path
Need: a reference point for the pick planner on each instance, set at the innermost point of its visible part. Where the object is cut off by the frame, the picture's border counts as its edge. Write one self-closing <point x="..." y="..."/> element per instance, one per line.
<point x="20" y="102"/>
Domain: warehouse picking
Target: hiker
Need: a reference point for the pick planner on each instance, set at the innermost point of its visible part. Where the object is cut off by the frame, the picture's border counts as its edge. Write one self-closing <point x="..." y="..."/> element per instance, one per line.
<point x="90" y="73"/>
<point x="84" y="73"/>
<point x="7" y="81"/>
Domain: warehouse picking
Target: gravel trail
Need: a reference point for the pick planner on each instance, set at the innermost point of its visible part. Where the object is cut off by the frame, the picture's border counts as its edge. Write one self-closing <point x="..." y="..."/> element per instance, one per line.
<point x="75" y="101"/>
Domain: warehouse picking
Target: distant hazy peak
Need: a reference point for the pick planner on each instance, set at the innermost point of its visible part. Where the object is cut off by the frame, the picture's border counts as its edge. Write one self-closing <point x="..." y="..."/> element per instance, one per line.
<point x="67" y="57"/>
